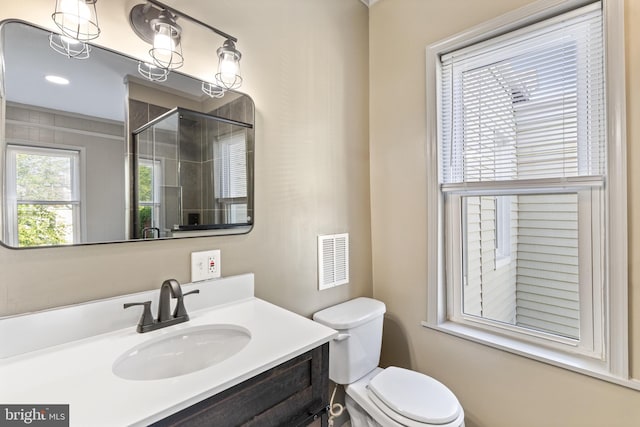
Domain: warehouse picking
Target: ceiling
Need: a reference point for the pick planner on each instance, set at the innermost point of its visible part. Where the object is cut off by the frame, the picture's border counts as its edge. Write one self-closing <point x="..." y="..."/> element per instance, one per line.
<point x="368" y="2"/>
<point x="28" y="59"/>
<point x="96" y="85"/>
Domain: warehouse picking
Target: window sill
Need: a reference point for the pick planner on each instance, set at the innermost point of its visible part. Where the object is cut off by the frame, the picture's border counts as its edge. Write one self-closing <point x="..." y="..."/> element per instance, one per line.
<point x="576" y="363"/>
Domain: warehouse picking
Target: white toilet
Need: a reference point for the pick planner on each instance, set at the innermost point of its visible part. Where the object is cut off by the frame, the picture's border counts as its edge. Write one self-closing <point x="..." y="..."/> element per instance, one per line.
<point x="391" y="397"/>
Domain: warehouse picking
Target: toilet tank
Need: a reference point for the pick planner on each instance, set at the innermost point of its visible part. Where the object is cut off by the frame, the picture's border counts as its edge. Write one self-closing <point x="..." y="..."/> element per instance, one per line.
<point x="356" y="350"/>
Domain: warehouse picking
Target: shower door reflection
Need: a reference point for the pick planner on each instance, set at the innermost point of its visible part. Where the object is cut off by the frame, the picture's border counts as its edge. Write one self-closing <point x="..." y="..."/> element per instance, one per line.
<point x="191" y="175"/>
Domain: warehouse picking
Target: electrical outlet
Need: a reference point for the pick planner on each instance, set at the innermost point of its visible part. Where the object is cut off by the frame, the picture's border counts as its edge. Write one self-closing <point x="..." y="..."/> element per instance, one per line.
<point x="213" y="264"/>
<point x="205" y="265"/>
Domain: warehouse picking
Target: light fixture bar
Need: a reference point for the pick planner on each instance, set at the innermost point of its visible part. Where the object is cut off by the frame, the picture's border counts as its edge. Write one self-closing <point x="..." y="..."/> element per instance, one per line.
<point x="192" y="19"/>
<point x="155" y="23"/>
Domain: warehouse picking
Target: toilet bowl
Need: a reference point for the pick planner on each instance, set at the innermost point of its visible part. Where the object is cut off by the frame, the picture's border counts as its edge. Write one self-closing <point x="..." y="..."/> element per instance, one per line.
<point x="390" y="397"/>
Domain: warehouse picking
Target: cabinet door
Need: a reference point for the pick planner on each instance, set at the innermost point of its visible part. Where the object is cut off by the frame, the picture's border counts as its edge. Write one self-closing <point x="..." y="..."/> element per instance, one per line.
<point x="290" y="394"/>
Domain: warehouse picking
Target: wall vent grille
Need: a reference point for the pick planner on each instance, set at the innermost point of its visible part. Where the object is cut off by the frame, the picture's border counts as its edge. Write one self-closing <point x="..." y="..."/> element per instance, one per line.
<point x="333" y="260"/>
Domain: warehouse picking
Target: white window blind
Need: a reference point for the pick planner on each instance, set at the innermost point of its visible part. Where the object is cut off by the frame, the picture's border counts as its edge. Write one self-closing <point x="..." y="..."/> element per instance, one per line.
<point x="526" y="106"/>
<point x="233" y="181"/>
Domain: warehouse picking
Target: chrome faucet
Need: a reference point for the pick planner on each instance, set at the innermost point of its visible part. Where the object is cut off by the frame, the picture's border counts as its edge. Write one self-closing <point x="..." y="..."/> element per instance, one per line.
<point x="170" y="289"/>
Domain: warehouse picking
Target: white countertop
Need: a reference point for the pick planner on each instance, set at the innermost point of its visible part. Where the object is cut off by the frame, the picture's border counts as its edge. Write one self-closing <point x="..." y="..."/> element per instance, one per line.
<point x="79" y="373"/>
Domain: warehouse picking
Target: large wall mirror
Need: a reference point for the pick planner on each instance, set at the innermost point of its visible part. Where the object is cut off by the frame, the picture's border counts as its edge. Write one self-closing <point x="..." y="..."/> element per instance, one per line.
<point x="93" y="152"/>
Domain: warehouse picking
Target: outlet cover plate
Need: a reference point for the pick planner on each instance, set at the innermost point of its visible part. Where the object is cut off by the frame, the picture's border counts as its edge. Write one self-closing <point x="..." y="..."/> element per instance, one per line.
<point x="205" y="265"/>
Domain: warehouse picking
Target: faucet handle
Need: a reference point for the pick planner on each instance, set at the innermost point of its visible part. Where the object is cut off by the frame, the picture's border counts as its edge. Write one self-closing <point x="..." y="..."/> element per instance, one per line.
<point x="180" y="310"/>
<point x="146" y="319"/>
<point x="195" y="291"/>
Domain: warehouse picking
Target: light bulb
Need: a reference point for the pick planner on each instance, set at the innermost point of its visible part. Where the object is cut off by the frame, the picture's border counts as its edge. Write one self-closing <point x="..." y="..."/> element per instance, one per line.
<point x="163" y="40"/>
<point x="228" y="74"/>
<point x="228" y="69"/>
<point x="166" y="51"/>
<point x="76" y="11"/>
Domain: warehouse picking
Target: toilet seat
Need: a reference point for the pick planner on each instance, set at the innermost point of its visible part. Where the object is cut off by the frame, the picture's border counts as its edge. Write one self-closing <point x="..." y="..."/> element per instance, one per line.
<point x="413" y="399"/>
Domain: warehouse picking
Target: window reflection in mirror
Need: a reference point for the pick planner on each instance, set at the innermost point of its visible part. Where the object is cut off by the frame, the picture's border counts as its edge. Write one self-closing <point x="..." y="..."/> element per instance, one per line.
<point x="43" y="196"/>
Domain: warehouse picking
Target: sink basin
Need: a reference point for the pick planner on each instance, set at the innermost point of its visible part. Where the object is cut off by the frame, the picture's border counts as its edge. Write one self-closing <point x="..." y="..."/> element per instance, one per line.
<point x="181" y="352"/>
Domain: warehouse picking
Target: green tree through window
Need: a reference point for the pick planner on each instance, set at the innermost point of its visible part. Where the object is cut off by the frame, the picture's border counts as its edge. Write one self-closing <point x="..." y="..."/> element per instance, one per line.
<point x="43" y="188"/>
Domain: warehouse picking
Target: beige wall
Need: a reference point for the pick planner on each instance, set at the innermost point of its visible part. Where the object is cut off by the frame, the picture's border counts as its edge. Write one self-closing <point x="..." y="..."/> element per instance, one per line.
<point x="305" y="63"/>
<point x="496" y="388"/>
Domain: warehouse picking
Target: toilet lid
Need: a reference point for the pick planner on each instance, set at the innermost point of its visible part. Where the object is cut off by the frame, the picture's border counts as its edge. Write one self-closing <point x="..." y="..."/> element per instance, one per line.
<point x="414" y="396"/>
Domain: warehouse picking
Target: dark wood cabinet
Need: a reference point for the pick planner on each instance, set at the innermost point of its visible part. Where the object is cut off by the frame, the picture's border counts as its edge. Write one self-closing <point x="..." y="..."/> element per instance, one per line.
<point x="294" y="393"/>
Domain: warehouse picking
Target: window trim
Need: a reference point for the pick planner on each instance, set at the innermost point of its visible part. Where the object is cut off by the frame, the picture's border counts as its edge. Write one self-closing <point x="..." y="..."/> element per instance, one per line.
<point x="223" y="179"/>
<point x="615" y="367"/>
<point x="157" y="168"/>
<point x="589" y="343"/>
<point x="10" y="231"/>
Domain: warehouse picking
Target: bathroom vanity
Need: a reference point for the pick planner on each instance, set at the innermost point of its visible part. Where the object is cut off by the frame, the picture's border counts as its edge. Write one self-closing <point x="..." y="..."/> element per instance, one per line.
<point x="74" y="356"/>
<point x="294" y="393"/>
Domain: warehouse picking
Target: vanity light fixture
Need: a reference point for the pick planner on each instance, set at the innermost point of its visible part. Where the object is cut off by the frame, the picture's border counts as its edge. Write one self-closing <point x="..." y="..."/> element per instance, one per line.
<point x="155" y="23"/>
<point x="228" y="74"/>
<point x="166" y="51"/>
<point x="71" y="48"/>
<point x="152" y="72"/>
<point x="77" y="19"/>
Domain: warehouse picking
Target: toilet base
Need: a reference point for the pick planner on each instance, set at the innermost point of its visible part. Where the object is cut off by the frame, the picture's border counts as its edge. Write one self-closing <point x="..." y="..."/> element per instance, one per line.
<point x="359" y="417"/>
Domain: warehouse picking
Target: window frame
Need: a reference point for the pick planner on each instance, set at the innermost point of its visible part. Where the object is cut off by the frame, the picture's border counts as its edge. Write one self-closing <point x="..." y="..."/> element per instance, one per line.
<point x="224" y="180"/>
<point x="590" y="342"/>
<point x="157" y="168"/>
<point x="614" y="365"/>
<point x="77" y="157"/>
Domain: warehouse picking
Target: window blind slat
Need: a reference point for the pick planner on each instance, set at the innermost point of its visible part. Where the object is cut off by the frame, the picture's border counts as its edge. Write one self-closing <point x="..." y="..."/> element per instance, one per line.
<point x="588" y="15"/>
<point x="531" y="108"/>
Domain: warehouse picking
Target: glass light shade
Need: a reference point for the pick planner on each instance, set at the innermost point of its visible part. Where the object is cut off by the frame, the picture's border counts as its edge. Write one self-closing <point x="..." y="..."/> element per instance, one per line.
<point x="166" y="51"/>
<point x="77" y="19"/>
<point x="214" y="91"/>
<point x="71" y="48"/>
<point x="152" y="73"/>
<point x="228" y="75"/>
